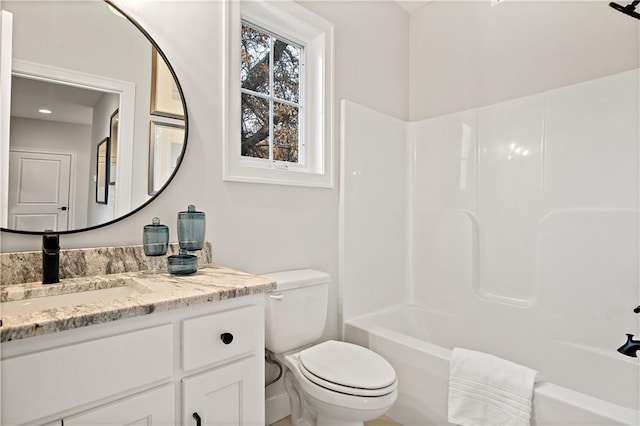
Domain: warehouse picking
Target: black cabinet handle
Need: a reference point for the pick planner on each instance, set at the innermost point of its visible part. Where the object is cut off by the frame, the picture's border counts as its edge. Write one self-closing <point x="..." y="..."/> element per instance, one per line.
<point x="226" y="338"/>
<point x="196" y="416"/>
<point x="637" y="310"/>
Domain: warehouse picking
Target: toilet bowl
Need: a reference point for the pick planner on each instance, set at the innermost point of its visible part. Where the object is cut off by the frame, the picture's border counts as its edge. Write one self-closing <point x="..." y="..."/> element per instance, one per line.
<point x="329" y="383"/>
<point x="338" y="383"/>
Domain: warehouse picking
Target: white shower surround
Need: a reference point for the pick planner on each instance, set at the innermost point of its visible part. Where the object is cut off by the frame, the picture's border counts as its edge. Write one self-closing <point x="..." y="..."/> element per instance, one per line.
<point x="517" y="221"/>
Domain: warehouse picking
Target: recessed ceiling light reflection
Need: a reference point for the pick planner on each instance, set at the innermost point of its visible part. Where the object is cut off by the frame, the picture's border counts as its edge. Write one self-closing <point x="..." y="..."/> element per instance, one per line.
<point x="44" y="111"/>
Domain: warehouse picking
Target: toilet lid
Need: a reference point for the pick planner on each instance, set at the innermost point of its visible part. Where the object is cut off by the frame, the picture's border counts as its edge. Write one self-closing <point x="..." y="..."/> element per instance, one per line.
<point x="348" y="368"/>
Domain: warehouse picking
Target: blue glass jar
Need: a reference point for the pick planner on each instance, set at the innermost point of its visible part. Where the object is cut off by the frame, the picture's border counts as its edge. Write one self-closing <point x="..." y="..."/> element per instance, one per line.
<point x="155" y="238"/>
<point x="191" y="227"/>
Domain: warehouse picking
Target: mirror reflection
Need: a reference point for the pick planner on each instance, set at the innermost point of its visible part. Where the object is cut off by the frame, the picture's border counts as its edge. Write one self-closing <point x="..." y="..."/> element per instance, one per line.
<point x="102" y="172"/>
<point x="165" y="150"/>
<point x="88" y="95"/>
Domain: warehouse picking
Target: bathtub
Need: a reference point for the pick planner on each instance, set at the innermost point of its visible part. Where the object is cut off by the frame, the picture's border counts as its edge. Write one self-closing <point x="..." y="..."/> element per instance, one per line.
<point x="417" y="341"/>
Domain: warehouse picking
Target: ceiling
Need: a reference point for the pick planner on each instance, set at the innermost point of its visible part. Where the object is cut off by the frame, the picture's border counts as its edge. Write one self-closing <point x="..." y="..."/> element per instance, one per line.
<point x="68" y="104"/>
<point x="411" y="5"/>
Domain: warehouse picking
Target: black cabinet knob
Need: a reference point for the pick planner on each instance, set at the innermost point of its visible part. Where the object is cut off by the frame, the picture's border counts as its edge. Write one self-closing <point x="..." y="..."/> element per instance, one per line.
<point x="637" y="310"/>
<point x="226" y="338"/>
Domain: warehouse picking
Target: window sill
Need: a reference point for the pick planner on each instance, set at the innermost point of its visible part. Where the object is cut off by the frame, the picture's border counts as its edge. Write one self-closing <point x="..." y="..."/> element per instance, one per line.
<point x="277" y="176"/>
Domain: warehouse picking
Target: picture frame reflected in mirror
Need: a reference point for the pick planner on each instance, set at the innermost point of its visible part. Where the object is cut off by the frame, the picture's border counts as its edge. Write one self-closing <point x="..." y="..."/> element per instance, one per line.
<point x="165" y="95"/>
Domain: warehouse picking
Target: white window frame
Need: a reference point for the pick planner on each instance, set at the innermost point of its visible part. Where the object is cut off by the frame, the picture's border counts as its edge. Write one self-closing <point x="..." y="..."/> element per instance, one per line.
<point x="297" y="24"/>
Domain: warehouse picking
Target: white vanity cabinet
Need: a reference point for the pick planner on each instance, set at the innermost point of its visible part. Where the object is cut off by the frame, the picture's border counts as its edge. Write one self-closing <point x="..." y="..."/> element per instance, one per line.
<point x="155" y="369"/>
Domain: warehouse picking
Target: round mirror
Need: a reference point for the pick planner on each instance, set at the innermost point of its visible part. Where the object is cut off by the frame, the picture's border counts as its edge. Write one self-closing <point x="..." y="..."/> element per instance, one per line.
<point x="98" y="123"/>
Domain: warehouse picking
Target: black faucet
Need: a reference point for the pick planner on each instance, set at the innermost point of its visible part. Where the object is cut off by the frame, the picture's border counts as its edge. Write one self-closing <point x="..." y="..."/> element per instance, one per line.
<point x="631" y="346"/>
<point x="50" y="257"/>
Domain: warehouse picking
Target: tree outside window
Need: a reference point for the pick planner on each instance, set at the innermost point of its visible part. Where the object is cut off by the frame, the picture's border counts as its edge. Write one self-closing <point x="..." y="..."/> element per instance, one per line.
<point x="271" y="96"/>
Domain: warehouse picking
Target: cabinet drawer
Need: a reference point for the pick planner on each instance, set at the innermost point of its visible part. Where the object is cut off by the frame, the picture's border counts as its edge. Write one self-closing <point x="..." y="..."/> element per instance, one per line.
<point x="84" y="372"/>
<point x="202" y="337"/>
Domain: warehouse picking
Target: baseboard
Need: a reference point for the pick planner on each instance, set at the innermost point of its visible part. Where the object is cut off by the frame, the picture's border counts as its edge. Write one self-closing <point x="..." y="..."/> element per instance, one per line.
<point x="276" y="408"/>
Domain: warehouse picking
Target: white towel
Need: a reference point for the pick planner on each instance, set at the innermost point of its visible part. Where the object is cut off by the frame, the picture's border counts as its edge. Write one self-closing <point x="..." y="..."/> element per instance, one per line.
<point x="487" y="390"/>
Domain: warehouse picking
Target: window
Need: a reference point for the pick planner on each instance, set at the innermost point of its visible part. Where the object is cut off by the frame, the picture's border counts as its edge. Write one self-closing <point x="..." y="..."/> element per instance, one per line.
<point x="272" y="115"/>
<point x="279" y="95"/>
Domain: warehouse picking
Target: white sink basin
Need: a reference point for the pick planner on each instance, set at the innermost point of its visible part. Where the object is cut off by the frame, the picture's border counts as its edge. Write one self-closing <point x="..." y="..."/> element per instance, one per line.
<point x="34" y="304"/>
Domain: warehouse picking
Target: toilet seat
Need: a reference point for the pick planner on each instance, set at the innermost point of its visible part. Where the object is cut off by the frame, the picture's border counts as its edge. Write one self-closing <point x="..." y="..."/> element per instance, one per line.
<point x="348" y="369"/>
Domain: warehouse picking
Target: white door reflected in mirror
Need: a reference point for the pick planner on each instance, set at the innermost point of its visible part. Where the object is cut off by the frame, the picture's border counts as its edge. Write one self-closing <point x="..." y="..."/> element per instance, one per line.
<point x="39" y="190"/>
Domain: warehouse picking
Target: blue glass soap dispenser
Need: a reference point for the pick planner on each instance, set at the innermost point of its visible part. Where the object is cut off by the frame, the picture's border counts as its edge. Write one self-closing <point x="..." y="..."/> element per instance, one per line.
<point x="191" y="227"/>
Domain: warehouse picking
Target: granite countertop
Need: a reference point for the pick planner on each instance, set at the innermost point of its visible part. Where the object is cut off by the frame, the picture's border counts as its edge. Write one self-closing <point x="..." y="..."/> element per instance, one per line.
<point x="153" y="293"/>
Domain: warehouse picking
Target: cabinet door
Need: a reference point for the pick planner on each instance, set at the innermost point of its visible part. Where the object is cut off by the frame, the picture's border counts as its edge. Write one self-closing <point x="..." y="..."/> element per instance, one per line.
<point x="41" y="383"/>
<point x="153" y="408"/>
<point x="232" y="395"/>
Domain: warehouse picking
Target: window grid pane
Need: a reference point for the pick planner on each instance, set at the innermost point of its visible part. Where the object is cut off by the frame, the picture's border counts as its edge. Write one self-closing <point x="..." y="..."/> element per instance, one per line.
<point x="271" y="85"/>
<point x="255" y="60"/>
<point x="286" y="70"/>
<point x="285" y="133"/>
<point x="255" y="127"/>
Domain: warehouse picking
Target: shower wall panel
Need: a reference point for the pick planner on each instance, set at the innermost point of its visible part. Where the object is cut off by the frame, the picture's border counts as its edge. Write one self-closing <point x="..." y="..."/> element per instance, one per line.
<point x="532" y="202"/>
<point x="374" y="211"/>
<point x="509" y="192"/>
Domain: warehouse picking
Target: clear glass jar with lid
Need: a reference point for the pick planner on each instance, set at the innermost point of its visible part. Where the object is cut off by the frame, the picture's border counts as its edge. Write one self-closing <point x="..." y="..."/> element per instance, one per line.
<point x="191" y="228"/>
<point x="155" y="238"/>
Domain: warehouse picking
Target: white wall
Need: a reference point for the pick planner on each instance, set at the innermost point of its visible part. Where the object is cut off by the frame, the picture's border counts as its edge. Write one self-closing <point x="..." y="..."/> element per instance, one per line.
<point x="371" y="52"/>
<point x="52" y="135"/>
<point x="466" y="54"/>
<point x="101" y="126"/>
<point x="254" y="227"/>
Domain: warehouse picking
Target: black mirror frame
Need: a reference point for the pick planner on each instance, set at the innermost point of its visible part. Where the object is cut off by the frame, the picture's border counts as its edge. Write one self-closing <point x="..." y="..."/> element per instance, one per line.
<point x="186" y="137"/>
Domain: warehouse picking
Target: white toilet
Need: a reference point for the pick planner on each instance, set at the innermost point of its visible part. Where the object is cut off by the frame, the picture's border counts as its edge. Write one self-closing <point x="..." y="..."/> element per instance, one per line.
<point x="331" y="383"/>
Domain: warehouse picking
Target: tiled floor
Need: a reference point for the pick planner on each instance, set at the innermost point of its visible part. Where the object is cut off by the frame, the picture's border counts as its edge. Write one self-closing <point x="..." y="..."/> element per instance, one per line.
<point x="380" y="421"/>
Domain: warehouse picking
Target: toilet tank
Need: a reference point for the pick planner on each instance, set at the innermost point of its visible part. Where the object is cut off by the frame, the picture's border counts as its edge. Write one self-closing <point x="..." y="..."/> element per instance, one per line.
<point x="296" y="311"/>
